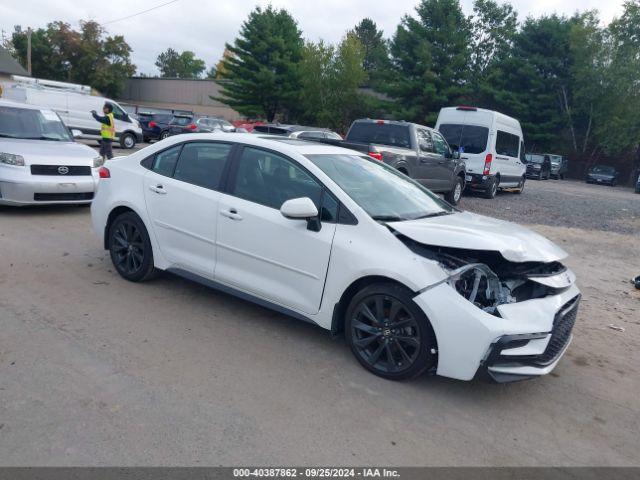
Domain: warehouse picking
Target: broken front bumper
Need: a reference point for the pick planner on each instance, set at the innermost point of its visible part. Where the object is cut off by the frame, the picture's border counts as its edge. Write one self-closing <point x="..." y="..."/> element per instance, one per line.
<point x="524" y="341"/>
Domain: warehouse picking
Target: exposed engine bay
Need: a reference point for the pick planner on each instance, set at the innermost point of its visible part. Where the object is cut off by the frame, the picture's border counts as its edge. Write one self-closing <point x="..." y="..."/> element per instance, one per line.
<point x="486" y="278"/>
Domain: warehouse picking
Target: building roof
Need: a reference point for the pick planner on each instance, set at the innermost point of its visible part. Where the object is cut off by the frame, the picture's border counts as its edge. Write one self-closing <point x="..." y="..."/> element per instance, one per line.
<point x="9" y="65"/>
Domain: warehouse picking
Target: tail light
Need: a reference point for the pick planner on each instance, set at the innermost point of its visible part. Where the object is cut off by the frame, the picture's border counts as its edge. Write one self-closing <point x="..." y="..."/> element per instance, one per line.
<point x="376" y="155"/>
<point x="192" y="126"/>
<point x="152" y="124"/>
<point x="487" y="164"/>
<point x="104" y="172"/>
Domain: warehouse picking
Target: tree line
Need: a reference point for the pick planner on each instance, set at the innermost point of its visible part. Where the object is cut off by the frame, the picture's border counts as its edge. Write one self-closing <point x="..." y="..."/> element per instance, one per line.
<point x="573" y="82"/>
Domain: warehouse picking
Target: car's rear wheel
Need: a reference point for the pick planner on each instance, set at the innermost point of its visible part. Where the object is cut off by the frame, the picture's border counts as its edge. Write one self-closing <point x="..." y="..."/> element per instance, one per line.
<point x="455" y="194"/>
<point x="164" y="135"/>
<point x="492" y="189"/>
<point x="520" y="187"/>
<point x="130" y="248"/>
<point x="388" y="333"/>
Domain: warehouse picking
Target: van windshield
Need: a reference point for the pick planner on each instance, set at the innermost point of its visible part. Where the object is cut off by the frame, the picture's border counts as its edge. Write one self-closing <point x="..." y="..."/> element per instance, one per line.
<point x="465" y="138"/>
<point x="31" y="124"/>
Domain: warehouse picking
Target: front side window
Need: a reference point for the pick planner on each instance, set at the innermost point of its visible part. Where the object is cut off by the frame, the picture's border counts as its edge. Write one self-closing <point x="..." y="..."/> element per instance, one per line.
<point x="507" y="144"/>
<point x="202" y="163"/>
<point x="439" y="144"/>
<point x="32" y="124"/>
<point x="425" y="141"/>
<point x="522" y="154"/>
<point x="380" y="190"/>
<point x="269" y="179"/>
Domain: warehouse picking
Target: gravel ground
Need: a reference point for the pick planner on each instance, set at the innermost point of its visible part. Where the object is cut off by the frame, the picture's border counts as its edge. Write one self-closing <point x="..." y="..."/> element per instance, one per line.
<point x="98" y="371"/>
<point x="569" y="204"/>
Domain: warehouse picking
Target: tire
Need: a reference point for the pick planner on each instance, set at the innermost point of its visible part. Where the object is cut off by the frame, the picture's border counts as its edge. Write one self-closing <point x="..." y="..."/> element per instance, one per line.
<point x="455" y="194"/>
<point x="127" y="140"/>
<point x="146" y="140"/>
<point x="164" y="135"/>
<point x="520" y="187"/>
<point x="492" y="189"/>
<point x="392" y="353"/>
<point x="130" y="248"/>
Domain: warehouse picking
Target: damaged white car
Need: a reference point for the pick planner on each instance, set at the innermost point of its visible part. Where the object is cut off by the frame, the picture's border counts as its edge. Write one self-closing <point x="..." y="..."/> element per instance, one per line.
<point x="328" y="236"/>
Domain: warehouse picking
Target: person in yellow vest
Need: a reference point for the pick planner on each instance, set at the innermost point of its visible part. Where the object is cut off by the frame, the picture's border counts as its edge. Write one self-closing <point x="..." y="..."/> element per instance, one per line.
<point x="107" y="130"/>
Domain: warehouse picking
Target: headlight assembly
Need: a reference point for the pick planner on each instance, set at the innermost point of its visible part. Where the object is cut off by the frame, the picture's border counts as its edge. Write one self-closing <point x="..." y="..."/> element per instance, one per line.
<point x="479" y="285"/>
<point x="11" y="159"/>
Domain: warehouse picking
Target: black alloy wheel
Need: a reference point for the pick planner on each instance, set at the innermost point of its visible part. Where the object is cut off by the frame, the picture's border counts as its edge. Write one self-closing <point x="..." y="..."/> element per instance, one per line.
<point x="389" y="334"/>
<point x="130" y="248"/>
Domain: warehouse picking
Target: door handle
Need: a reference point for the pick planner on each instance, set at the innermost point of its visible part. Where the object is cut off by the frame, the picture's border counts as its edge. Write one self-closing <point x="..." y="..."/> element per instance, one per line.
<point x="232" y="213"/>
<point x="159" y="189"/>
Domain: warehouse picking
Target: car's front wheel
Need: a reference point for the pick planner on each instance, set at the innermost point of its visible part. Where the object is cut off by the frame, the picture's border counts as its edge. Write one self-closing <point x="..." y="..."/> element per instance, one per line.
<point x="164" y="134"/>
<point x="455" y="194"/>
<point x="128" y="141"/>
<point x="130" y="248"/>
<point x="388" y="333"/>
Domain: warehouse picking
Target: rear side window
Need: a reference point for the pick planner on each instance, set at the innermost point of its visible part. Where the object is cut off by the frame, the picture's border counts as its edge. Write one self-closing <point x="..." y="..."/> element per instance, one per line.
<point x="465" y="138"/>
<point x="164" y="162"/>
<point x="202" y="164"/>
<point x="382" y="133"/>
<point x="311" y="135"/>
<point x="507" y="144"/>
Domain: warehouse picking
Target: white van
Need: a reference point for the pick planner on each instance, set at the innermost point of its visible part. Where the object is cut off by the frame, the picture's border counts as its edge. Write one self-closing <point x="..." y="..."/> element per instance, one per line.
<point x="73" y="103"/>
<point x="491" y="145"/>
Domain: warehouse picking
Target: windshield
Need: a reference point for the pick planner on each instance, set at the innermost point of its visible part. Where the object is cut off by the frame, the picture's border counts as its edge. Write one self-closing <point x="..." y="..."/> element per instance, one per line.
<point x="465" y="138"/>
<point x="603" y="169"/>
<point x="381" y="191"/>
<point x="533" y="158"/>
<point x="32" y="124"/>
<point x="390" y="134"/>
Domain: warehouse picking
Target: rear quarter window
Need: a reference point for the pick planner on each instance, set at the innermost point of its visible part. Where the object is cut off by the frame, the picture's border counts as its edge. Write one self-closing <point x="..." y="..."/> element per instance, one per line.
<point x="390" y="134"/>
<point x="507" y="144"/>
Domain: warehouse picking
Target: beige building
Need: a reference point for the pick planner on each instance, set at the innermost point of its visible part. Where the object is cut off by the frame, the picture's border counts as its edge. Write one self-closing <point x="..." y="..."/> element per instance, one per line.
<point x="176" y="94"/>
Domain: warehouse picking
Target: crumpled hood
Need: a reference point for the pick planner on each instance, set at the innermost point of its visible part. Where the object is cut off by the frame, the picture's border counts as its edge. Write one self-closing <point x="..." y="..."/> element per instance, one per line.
<point x="44" y="152"/>
<point x="476" y="232"/>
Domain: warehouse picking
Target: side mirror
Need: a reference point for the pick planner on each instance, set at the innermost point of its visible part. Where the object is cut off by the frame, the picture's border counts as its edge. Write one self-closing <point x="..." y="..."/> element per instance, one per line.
<point x="456" y="155"/>
<point x="75" y="133"/>
<point x="302" y="209"/>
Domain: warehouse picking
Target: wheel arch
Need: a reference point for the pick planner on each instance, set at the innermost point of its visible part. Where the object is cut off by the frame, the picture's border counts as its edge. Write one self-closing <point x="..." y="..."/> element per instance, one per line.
<point x="340" y="308"/>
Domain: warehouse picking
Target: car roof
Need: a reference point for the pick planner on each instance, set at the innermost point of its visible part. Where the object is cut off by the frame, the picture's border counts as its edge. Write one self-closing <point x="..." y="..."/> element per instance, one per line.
<point x="26" y="106"/>
<point x="293" y="128"/>
<point x="390" y="122"/>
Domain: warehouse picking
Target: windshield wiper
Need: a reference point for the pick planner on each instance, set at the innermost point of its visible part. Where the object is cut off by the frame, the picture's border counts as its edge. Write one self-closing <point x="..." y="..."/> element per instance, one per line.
<point x="388" y="218"/>
<point x="433" y="214"/>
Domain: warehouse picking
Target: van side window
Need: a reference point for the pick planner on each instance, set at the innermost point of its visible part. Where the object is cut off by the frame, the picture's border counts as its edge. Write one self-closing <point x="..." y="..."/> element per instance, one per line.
<point x="507" y="144"/>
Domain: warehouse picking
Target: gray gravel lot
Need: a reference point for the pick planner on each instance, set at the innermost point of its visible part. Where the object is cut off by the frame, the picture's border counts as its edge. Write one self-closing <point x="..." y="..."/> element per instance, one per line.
<point x="98" y="371"/>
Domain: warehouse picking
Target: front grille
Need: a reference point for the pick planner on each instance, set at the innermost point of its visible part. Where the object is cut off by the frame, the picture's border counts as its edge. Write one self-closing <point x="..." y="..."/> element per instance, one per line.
<point x="62" y="197"/>
<point x="562" y="327"/>
<point x="73" y="170"/>
<point x="563" y="324"/>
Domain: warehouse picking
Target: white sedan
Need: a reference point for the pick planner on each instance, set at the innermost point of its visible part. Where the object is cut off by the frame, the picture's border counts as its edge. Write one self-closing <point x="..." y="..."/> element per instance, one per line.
<point x="40" y="163"/>
<point x="338" y="239"/>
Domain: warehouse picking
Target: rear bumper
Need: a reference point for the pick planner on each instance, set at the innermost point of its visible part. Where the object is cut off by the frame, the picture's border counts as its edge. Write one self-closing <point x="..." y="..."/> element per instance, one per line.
<point x="19" y="187"/>
<point x="476" y="181"/>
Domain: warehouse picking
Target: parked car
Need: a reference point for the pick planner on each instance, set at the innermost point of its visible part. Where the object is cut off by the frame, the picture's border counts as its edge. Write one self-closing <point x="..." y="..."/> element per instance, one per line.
<point x="328" y="236"/>
<point x="297" y="131"/>
<point x="40" y="163"/>
<point x="74" y="103"/>
<point x="603" y="174"/>
<point x="559" y="166"/>
<point x="154" y="124"/>
<point x="538" y="166"/>
<point x="491" y="145"/>
<point x="415" y="150"/>
<point x="193" y="124"/>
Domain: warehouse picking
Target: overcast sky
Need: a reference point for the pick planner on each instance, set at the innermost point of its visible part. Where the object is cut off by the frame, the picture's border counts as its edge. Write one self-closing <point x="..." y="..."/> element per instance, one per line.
<point x="204" y="26"/>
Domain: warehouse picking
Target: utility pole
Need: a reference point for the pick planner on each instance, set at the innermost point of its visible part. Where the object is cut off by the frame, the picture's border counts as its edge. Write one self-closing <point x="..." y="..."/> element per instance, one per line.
<point x="29" y="31"/>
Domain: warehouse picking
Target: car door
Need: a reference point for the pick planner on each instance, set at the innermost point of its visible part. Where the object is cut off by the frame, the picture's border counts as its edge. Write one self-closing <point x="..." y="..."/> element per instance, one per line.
<point x="508" y="158"/>
<point x="181" y="193"/>
<point x="446" y="163"/>
<point x="426" y="169"/>
<point x="258" y="250"/>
